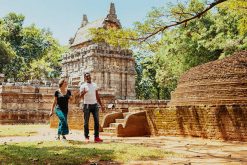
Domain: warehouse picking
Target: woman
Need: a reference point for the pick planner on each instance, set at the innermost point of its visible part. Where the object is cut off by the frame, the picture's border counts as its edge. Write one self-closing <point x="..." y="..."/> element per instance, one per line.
<point x="60" y="103"/>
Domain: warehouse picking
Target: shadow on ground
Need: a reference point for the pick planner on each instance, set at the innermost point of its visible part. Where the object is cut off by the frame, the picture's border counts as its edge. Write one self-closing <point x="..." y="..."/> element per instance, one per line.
<point x="67" y="154"/>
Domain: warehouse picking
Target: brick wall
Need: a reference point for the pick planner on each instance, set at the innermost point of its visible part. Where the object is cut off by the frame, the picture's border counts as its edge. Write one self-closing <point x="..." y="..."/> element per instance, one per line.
<point x="216" y="122"/>
<point x="138" y="105"/>
<point x="25" y="104"/>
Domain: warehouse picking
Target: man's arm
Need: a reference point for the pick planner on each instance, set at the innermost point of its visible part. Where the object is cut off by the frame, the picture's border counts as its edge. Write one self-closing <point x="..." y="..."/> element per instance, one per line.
<point x="99" y="101"/>
<point x="82" y="93"/>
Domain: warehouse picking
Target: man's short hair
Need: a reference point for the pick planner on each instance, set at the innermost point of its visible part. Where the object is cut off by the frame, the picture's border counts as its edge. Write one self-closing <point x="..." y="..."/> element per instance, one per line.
<point x="86" y="74"/>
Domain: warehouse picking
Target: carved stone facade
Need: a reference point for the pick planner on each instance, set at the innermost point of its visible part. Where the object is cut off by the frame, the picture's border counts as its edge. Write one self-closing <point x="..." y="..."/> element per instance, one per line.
<point x="112" y="68"/>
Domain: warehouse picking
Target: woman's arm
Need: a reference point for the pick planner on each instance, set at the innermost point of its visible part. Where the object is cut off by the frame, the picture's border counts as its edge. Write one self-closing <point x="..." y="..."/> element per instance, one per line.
<point x="99" y="101"/>
<point x="53" y="106"/>
<point x="72" y="97"/>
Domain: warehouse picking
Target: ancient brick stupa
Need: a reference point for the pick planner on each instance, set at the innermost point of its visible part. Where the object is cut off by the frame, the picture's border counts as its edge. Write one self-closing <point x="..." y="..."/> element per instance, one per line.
<point x="221" y="82"/>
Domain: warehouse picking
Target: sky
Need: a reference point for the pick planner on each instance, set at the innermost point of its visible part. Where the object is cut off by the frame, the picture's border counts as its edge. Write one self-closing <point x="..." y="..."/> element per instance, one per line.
<point x="63" y="17"/>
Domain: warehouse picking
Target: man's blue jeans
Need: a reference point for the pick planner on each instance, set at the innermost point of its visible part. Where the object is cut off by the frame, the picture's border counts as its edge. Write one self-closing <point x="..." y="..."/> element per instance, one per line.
<point x="93" y="108"/>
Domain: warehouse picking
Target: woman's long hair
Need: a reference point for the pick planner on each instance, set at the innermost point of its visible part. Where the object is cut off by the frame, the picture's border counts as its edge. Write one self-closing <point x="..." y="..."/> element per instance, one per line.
<point x="61" y="81"/>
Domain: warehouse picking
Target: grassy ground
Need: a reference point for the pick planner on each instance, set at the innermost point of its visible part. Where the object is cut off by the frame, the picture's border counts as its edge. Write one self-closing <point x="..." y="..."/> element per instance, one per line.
<point x="75" y="152"/>
<point x="19" y="130"/>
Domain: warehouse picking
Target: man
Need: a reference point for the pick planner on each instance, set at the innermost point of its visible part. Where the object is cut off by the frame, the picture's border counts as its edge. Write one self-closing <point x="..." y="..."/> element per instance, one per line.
<point x="89" y="92"/>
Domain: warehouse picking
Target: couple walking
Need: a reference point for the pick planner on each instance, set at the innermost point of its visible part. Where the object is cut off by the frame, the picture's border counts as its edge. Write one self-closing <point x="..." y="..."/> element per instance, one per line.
<point x="89" y="93"/>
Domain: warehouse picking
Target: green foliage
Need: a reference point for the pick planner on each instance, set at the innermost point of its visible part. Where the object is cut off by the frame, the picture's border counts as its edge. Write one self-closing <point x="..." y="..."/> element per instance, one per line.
<point x="37" y="53"/>
<point x="169" y="54"/>
<point x="239" y="9"/>
<point x="34" y="43"/>
<point x="12" y="25"/>
<point x="183" y="11"/>
<point x="201" y="41"/>
<point x="115" y="37"/>
<point x="6" y="54"/>
<point x="16" y="69"/>
<point x="144" y="88"/>
<point x="48" y="66"/>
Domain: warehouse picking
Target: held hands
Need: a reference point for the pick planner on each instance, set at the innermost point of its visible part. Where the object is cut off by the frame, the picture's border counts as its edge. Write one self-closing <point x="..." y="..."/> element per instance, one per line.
<point x="83" y="92"/>
<point x="102" y="108"/>
<point x="51" y="113"/>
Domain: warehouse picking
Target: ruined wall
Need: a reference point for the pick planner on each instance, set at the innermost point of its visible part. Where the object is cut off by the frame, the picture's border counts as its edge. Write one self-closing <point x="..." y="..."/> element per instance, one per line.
<point x="227" y="122"/>
<point x="30" y="104"/>
<point x="141" y="104"/>
<point x="209" y="101"/>
<point x="216" y="122"/>
<point x="25" y="104"/>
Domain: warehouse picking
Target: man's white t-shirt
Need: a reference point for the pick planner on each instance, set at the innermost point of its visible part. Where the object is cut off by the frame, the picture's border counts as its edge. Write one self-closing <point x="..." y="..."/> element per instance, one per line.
<point x="90" y="96"/>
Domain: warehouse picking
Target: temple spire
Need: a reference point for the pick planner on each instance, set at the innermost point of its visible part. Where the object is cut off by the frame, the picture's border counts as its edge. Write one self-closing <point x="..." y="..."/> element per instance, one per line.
<point x="112" y="10"/>
<point x="112" y="16"/>
<point x="84" y="20"/>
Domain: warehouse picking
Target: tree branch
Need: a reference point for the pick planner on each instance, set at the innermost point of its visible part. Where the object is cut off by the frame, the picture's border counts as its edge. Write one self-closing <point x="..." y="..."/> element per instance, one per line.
<point x="198" y="15"/>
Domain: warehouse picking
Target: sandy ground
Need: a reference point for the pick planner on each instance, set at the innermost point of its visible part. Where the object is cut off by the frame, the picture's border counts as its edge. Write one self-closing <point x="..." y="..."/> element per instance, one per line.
<point x="193" y="150"/>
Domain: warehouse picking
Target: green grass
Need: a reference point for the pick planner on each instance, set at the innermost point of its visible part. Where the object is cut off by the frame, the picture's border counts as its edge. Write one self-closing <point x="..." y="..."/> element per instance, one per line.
<point x="19" y="130"/>
<point x="75" y="152"/>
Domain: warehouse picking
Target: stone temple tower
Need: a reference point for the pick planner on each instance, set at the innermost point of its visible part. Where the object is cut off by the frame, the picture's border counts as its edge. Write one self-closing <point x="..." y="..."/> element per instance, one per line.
<point x="112" y="68"/>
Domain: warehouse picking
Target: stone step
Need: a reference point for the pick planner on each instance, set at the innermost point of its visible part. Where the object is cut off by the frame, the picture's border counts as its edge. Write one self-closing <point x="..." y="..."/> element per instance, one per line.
<point x="107" y="134"/>
<point x="126" y="114"/>
<point x="120" y="120"/>
<point x="140" y="109"/>
<point x="119" y="108"/>
<point x="114" y="125"/>
<point x="125" y="110"/>
<point x="110" y="130"/>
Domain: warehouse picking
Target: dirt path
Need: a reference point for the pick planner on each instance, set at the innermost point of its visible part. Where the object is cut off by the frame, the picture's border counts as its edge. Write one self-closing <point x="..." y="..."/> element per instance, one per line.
<point x="193" y="150"/>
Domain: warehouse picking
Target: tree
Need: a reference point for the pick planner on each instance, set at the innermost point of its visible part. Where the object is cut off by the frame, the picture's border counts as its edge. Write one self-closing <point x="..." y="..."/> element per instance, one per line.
<point x="16" y="69"/>
<point x="156" y="23"/>
<point x="180" y="37"/>
<point x="37" y="53"/>
<point x="6" y="54"/>
<point x="238" y="8"/>
<point x="12" y="25"/>
<point x="200" y="41"/>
